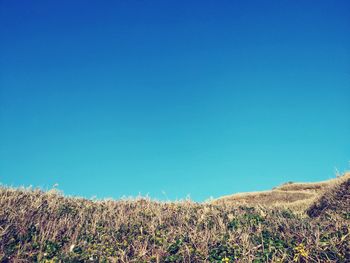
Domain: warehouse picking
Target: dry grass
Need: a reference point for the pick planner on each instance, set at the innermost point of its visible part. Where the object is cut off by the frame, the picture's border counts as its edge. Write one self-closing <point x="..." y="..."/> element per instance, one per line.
<point x="37" y="226"/>
<point x="314" y="187"/>
<point x="274" y="198"/>
<point x="335" y="198"/>
<point x="296" y="196"/>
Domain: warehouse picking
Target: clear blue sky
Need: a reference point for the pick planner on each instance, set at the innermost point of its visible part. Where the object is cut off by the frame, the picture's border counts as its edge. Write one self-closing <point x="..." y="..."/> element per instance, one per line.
<point x="207" y="98"/>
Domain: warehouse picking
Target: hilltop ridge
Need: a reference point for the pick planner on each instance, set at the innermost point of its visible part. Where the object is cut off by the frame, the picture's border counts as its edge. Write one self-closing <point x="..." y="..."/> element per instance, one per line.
<point x="296" y="196"/>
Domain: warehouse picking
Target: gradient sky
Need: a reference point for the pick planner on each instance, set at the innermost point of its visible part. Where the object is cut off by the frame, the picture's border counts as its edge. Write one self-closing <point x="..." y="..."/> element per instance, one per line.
<point x="173" y="98"/>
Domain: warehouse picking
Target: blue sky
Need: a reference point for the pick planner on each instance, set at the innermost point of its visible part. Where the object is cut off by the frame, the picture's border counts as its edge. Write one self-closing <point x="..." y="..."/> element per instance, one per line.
<point x="173" y="98"/>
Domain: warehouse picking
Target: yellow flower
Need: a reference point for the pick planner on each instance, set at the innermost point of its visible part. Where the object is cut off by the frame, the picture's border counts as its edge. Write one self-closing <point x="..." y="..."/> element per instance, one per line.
<point x="225" y="260"/>
<point x="300" y="251"/>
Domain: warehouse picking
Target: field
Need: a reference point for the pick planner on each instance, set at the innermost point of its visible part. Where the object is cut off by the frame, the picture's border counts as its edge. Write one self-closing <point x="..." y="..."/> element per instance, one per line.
<point x="302" y="223"/>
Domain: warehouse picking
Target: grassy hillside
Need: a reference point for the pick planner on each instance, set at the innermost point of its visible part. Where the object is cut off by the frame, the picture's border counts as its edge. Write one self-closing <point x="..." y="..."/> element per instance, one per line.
<point x="335" y="199"/>
<point x="37" y="226"/>
<point x="296" y="196"/>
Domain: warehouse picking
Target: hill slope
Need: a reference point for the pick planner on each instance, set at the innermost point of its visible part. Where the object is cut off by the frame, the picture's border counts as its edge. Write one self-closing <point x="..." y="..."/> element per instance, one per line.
<point x="37" y="226"/>
<point x="335" y="199"/>
<point x="296" y="196"/>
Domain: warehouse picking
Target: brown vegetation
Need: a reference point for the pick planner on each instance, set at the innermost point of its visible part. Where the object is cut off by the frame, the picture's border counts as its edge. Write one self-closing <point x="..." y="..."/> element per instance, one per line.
<point x="336" y="199"/>
<point x="296" y="196"/>
<point x="37" y="226"/>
